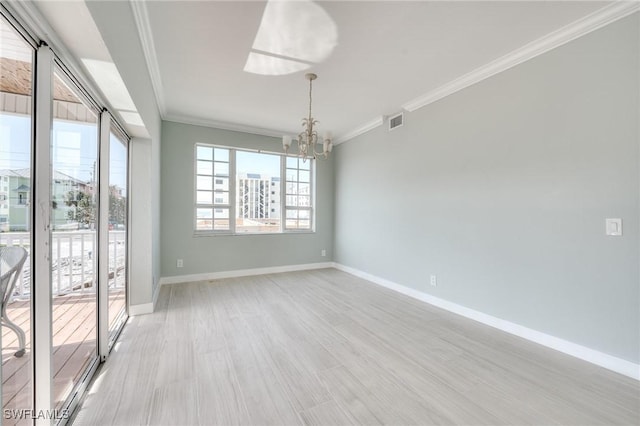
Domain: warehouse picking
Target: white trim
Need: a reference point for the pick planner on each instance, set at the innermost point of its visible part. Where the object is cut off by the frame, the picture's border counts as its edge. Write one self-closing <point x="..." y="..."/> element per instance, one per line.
<point x="579" y="28"/>
<point x="41" y="304"/>
<point x="364" y="128"/>
<point x="224" y="125"/>
<point x="601" y="359"/>
<point x="146" y="308"/>
<point x="243" y="273"/>
<point x="103" y="234"/>
<point x="141" y="309"/>
<point x="141" y="17"/>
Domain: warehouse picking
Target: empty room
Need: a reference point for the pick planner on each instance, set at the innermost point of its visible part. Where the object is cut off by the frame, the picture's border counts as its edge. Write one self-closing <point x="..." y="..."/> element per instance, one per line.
<point x="285" y="212"/>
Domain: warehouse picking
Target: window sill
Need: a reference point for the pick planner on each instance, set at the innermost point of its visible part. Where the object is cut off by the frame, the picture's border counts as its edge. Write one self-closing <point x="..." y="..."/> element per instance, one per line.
<point x="229" y="234"/>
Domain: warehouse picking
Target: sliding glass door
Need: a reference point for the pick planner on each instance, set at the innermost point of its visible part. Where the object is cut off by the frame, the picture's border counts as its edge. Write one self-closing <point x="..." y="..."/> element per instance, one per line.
<point x="63" y="230"/>
<point x="74" y="243"/>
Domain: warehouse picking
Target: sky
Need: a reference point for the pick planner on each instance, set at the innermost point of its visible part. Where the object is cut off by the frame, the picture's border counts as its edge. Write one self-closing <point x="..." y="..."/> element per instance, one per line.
<point x="74" y="152"/>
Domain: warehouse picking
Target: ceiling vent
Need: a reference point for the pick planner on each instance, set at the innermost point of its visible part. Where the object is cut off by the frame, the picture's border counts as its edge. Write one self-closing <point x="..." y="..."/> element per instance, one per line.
<point x="396" y="121"/>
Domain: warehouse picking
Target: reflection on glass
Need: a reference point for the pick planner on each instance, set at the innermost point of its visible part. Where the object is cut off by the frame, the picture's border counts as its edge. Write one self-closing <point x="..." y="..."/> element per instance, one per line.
<point x="73" y="238"/>
<point x="117" y="231"/>
<point x="16" y="68"/>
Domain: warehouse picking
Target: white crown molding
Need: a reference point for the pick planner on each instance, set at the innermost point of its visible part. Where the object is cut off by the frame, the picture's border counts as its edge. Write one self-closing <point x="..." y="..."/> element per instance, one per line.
<point x="370" y="125"/>
<point x="593" y="356"/>
<point x="141" y="17"/>
<point x="243" y="273"/>
<point x="234" y="127"/>
<point x="579" y="28"/>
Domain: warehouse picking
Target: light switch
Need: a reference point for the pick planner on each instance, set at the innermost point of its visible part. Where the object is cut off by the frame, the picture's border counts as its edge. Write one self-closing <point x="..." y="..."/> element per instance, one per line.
<point x="614" y="227"/>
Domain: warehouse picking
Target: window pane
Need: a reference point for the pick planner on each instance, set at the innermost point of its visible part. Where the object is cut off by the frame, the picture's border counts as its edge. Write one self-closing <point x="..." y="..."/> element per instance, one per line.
<point x="304" y="214"/>
<point x="221" y="213"/>
<point x="204" y="197"/>
<point x="304" y="201"/>
<point x="292" y="201"/>
<point x="257" y="192"/>
<point x="304" y="189"/>
<point x="221" y="198"/>
<point x="205" y="168"/>
<point x="304" y="224"/>
<point x="221" y="154"/>
<point x="292" y="214"/>
<point x="204" y="153"/>
<point x="221" y="169"/>
<point x="204" y="182"/>
<point x="74" y="155"/>
<point x="292" y="162"/>
<point x="221" y="184"/>
<point x="292" y="224"/>
<point x="292" y="188"/>
<point x="204" y="219"/>
<point x="304" y="165"/>
<point x="304" y="176"/>
<point x="292" y="175"/>
<point x="221" y="220"/>
<point x="16" y="69"/>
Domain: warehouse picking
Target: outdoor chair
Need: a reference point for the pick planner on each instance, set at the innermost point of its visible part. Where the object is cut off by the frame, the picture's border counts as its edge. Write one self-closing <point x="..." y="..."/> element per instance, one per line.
<point x="11" y="261"/>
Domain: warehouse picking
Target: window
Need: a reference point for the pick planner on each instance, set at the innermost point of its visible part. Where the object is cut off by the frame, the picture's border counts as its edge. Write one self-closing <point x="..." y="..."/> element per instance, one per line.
<point x="298" y="194"/>
<point x="242" y="192"/>
<point x="212" y="177"/>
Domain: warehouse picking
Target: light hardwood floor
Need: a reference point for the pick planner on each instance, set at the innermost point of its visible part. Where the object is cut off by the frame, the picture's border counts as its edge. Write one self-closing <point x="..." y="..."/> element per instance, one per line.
<point x="326" y="348"/>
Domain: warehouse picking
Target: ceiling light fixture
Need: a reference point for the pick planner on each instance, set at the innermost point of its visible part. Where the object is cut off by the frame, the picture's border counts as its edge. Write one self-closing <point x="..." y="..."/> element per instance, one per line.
<point x="308" y="138"/>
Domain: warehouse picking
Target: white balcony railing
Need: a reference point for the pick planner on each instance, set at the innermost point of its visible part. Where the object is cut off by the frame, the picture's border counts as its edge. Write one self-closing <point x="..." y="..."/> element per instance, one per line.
<point x="73" y="261"/>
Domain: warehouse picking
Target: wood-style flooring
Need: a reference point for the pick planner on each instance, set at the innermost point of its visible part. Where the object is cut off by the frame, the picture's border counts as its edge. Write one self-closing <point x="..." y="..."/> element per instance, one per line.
<point x="326" y="348"/>
<point x="74" y="344"/>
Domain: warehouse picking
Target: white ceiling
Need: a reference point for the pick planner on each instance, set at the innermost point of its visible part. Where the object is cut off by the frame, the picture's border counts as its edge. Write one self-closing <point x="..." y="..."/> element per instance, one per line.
<point x="387" y="55"/>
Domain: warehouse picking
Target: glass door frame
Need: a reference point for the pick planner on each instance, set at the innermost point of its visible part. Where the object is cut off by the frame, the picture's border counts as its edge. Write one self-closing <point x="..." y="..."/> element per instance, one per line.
<point x="107" y="337"/>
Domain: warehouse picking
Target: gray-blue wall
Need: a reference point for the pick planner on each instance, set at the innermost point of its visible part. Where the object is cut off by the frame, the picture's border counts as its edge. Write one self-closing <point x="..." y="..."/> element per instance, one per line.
<point x="206" y="254"/>
<point x="502" y="190"/>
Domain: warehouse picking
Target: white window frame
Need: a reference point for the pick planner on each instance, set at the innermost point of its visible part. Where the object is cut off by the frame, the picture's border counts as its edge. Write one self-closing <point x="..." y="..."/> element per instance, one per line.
<point x="233" y="194"/>
<point x="283" y="193"/>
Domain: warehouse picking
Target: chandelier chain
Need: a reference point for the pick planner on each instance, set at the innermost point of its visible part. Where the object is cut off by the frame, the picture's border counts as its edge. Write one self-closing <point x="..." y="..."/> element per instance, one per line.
<point x="310" y="84"/>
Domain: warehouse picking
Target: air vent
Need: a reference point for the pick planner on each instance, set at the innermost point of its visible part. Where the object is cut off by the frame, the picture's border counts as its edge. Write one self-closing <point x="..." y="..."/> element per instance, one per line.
<point x="396" y="121"/>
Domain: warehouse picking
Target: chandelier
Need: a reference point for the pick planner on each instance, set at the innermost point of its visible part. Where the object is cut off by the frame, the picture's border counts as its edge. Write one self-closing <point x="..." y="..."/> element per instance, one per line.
<point x="308" y="138"/>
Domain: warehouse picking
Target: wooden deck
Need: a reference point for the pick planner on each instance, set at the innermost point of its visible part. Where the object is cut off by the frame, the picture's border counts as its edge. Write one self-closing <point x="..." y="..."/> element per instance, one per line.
<point x="74" y="342"/>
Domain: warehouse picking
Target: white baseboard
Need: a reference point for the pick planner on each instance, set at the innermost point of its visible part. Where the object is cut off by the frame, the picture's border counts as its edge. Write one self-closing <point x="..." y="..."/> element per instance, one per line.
<point x="146" y="308"/>
<point x="243" y="273"/>
<point x="141" y="309"/>
<point x="601" y="359"/>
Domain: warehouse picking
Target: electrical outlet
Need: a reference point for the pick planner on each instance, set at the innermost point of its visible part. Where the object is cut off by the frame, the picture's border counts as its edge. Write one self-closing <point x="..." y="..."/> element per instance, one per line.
<point x="179" y="263"/>
<point x="434" y="280"/>
<point x="323" y="253"/>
